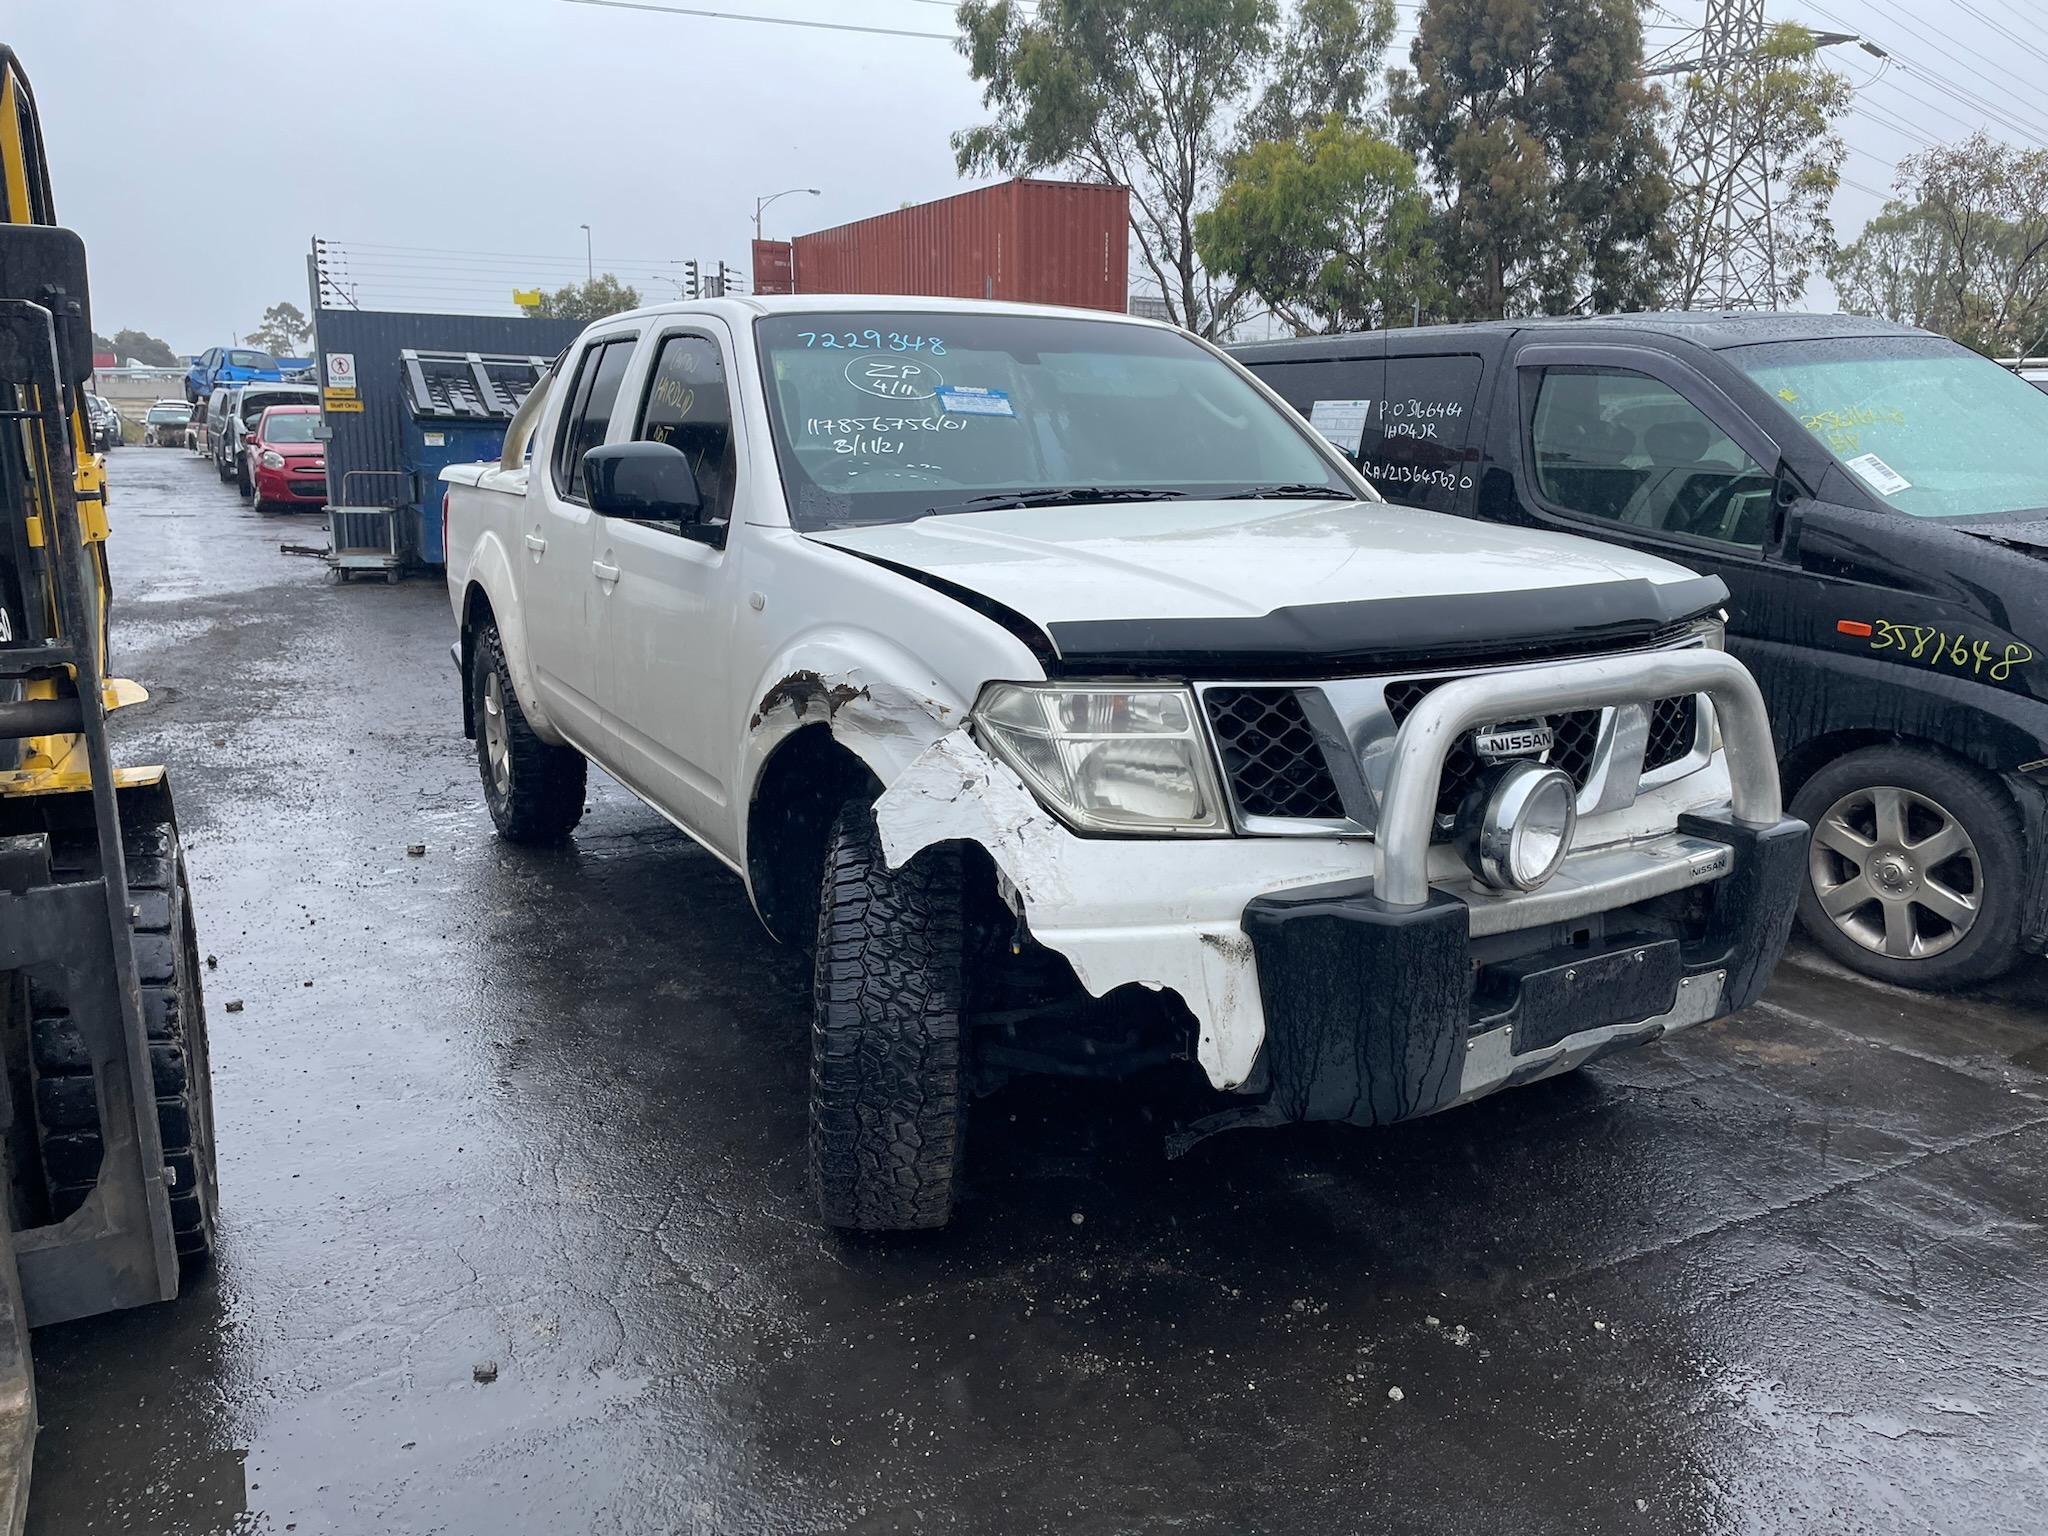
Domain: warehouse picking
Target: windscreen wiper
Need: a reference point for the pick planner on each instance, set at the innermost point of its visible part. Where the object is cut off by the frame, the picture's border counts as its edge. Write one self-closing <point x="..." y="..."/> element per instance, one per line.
<point x="1065" y="496"/>
<point x="1289" y="490"/>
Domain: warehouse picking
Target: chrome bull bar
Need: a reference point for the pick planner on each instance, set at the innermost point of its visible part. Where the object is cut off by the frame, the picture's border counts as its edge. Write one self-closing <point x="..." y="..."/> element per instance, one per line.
<point x="1408" y="813"/>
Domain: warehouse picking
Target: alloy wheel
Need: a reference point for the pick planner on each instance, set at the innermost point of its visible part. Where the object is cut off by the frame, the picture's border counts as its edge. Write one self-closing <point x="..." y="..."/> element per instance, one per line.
<point x="1896" y="872"/>
<point x="497" y="738"/>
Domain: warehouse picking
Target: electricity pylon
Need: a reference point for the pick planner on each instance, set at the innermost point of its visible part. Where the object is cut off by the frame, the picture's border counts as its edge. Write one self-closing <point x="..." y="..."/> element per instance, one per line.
<point x="1720" y="160"/>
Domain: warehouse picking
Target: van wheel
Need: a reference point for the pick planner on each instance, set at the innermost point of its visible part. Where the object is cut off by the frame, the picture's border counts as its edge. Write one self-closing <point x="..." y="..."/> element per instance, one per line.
<point x="221" y="468"/>
<point x="1913" y="873"/>
<point x="242" y="480"/>
<point x="534" y="789"/>
<point x="888" y="1099"/>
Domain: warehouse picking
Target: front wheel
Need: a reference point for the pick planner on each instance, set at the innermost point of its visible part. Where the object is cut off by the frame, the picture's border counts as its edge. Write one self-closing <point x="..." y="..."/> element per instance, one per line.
<point x="1914" y="873"/>
<point x="242" y="481"/>
<point x="888" y="1049"/>
<point x="533" y="788"/>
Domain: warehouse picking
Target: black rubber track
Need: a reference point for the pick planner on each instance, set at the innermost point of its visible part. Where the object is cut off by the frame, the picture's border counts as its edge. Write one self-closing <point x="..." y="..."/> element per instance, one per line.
<point x="174" y="1016"/>
<point x="888" y="1104"/>
<point x="545" y="800"/>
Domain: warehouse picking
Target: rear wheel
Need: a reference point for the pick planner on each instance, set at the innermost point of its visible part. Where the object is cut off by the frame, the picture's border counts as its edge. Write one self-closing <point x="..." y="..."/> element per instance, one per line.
<point x="888" y="1092"/>
<point x="174" y="1016"/>
<point x="1913" y="874"/>
<point x="533" y="788"/>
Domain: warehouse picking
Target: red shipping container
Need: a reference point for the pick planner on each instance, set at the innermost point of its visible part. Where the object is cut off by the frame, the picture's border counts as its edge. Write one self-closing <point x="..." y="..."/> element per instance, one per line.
<point x="1036" y="242"/>
<point x="771" y="267"/>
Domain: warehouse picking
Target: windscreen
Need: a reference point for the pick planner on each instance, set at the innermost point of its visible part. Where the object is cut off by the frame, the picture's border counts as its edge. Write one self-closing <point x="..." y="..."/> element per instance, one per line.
<point x="884" y="417"/>
<point x="159" y="415"/>
<point x="1933" y="429"/>
<point x="291" y="427"/>
<point x="257" y="360"/>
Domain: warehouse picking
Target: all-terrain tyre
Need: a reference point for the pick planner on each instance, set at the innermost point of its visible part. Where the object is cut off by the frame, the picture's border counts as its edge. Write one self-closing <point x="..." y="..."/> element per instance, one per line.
<point x="888" y="1047"/>
<point x="1914" y="875"/>
<point x="533" y="788"/>
<point x="174" y="1017"/>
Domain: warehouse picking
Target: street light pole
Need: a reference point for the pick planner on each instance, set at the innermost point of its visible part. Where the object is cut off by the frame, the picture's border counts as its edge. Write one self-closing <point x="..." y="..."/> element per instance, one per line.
<point x="762" y="202"/>
<point x="589" y="267"/>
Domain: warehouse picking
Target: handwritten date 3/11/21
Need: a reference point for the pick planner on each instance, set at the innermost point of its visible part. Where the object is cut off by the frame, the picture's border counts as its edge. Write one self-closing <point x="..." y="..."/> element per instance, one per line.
<point x="1940" y="647"/>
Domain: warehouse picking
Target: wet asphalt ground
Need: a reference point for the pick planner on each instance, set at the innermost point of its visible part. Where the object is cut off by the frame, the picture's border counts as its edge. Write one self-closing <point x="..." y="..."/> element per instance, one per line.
<point x="542" y="1113"/>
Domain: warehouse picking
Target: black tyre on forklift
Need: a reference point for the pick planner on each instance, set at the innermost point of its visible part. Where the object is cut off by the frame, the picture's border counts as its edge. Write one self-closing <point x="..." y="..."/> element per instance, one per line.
<point x="174" y="1013"/>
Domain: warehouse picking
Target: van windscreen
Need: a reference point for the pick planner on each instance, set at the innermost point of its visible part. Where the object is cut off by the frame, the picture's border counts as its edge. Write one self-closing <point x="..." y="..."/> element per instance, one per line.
<point x="1934" y="430"/>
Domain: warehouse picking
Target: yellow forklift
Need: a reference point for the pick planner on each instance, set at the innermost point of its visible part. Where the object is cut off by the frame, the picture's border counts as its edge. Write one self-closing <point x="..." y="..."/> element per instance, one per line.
<point x="106" y="1110"/>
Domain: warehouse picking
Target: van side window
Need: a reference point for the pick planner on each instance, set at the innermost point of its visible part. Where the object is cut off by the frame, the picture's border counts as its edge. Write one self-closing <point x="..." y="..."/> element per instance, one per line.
<point x="1629" y="449"/>
<point x="688" y="406"/>
<point x="588" y="417"/>
<point x="1417" y="448"/>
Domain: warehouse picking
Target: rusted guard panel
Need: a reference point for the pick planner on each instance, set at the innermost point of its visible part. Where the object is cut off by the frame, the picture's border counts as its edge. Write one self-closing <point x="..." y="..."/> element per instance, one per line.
<point x="1033" y="242"/>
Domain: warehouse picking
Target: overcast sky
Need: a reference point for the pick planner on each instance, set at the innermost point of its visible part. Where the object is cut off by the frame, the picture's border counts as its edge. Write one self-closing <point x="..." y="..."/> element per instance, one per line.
<point x="453" y="148"/>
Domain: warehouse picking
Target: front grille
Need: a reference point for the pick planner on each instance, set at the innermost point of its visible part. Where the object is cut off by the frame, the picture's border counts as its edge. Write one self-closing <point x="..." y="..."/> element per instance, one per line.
<point x="1577" y="735"/>
<point x="1273" y="761"/>
<point x="1674" y="730"/>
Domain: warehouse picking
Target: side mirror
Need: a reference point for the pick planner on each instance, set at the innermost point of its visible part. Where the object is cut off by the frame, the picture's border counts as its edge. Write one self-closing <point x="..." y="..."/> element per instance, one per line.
<point x="647" y="482"/>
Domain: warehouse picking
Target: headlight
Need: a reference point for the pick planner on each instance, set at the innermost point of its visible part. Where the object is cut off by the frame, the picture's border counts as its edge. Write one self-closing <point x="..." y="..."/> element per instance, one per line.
<point x="1107" y="759"/>
<point x="1713" y="632"/>
<point x="271" y="459"/>
<point x="1517" y="826"/>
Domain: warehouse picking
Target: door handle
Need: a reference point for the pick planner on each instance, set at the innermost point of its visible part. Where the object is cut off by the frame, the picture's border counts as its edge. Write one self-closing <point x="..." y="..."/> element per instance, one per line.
<point x="604" y="573"/>
<point x="536" y="543"/>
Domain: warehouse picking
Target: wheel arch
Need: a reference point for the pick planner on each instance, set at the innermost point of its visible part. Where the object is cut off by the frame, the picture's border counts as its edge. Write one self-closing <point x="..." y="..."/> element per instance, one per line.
<point x="808" y="775"/>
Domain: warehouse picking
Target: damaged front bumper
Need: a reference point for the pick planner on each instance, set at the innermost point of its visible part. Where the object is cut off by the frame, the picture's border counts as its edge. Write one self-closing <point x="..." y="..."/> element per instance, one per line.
<point x="1372" y="981"/>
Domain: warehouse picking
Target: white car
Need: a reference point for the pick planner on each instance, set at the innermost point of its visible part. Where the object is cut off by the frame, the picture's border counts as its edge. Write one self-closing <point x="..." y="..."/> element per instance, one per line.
<point x="1088" y="711"/>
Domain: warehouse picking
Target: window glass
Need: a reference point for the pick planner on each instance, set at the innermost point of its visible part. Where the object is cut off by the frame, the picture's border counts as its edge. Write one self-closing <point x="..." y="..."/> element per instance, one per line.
<point x="687" y="405"/>
<point x="1932" y="429"/>
<point x="290" y="426"/>
<point x="1627" y="448"/>
<point x="589" y="420"/>
<point x="256" y="360"/>
<point x="885" y="417"/>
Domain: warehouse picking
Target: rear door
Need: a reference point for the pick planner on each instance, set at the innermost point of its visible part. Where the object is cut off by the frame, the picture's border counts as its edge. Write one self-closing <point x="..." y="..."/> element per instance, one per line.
<point x="560" y="593"/>
<point x="1406" y="419"/>
<point x="670" y="605"/>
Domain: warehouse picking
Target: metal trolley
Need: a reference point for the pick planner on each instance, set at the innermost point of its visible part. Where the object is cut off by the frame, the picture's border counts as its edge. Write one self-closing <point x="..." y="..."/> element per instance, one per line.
<point x="363" y="535"/>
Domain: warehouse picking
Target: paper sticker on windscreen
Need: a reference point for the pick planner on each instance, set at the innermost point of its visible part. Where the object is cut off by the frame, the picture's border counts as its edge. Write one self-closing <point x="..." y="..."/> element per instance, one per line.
<point x="1341" y="421"/>
<point x="965" y="400"/>
<point x="1878" y="475"/>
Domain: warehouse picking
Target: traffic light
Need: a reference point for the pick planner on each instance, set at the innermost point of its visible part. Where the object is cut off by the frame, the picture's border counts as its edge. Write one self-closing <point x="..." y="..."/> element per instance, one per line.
<point x="690" y="270"/>
<point x="721" y="279"/>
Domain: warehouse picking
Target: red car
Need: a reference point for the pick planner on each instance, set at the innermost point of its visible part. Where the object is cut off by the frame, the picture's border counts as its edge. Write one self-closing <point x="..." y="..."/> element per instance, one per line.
<point x="287" y="465"/>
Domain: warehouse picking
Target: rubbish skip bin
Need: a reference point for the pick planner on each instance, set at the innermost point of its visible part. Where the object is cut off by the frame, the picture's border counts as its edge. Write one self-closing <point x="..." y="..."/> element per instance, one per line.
<point x="457" y="407"/>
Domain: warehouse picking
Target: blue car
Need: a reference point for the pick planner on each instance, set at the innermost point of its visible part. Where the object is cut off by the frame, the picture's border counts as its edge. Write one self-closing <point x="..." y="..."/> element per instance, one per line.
<point x="217" y="366"/>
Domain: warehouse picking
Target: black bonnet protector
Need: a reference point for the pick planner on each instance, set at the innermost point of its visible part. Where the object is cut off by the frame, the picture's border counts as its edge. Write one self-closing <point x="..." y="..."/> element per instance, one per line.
<point x="1315" y="639"/>
<point x="1373" y="634"/>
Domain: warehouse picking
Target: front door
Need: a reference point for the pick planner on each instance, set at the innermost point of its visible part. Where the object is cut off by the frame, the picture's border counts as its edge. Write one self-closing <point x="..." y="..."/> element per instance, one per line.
<point x="560" y="591"/>
<point x="670" y="609"/>
<point x="1638" y="450"/>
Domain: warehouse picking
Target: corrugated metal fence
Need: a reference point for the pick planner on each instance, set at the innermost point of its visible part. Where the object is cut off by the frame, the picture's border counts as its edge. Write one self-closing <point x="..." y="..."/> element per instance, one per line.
<point x="372" y="440"/>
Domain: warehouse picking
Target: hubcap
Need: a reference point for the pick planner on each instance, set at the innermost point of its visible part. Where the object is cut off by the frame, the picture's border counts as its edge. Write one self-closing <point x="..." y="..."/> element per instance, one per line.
<point x="1896" y="872"/>
<point x="497" y="741"/>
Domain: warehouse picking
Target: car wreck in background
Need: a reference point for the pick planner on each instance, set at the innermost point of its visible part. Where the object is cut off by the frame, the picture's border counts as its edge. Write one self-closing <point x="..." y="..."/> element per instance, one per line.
<point x="1019" y="658"/>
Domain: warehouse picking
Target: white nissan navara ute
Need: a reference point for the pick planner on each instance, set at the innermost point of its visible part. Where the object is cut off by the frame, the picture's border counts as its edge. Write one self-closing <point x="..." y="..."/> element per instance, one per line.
<point x="1085" y="711"/>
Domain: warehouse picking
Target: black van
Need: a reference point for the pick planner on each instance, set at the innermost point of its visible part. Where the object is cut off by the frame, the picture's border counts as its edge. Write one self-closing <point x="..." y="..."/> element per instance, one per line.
<point x="1876" y="499"/>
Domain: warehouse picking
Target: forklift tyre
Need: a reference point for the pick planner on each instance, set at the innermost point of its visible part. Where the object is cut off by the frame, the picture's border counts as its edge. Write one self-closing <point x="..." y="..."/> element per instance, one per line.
<point x="174" y="1015"/>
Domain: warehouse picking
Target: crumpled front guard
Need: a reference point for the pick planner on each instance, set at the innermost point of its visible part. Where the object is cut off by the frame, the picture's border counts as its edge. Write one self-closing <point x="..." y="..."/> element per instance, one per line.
<point x="1370" y="1009"/>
